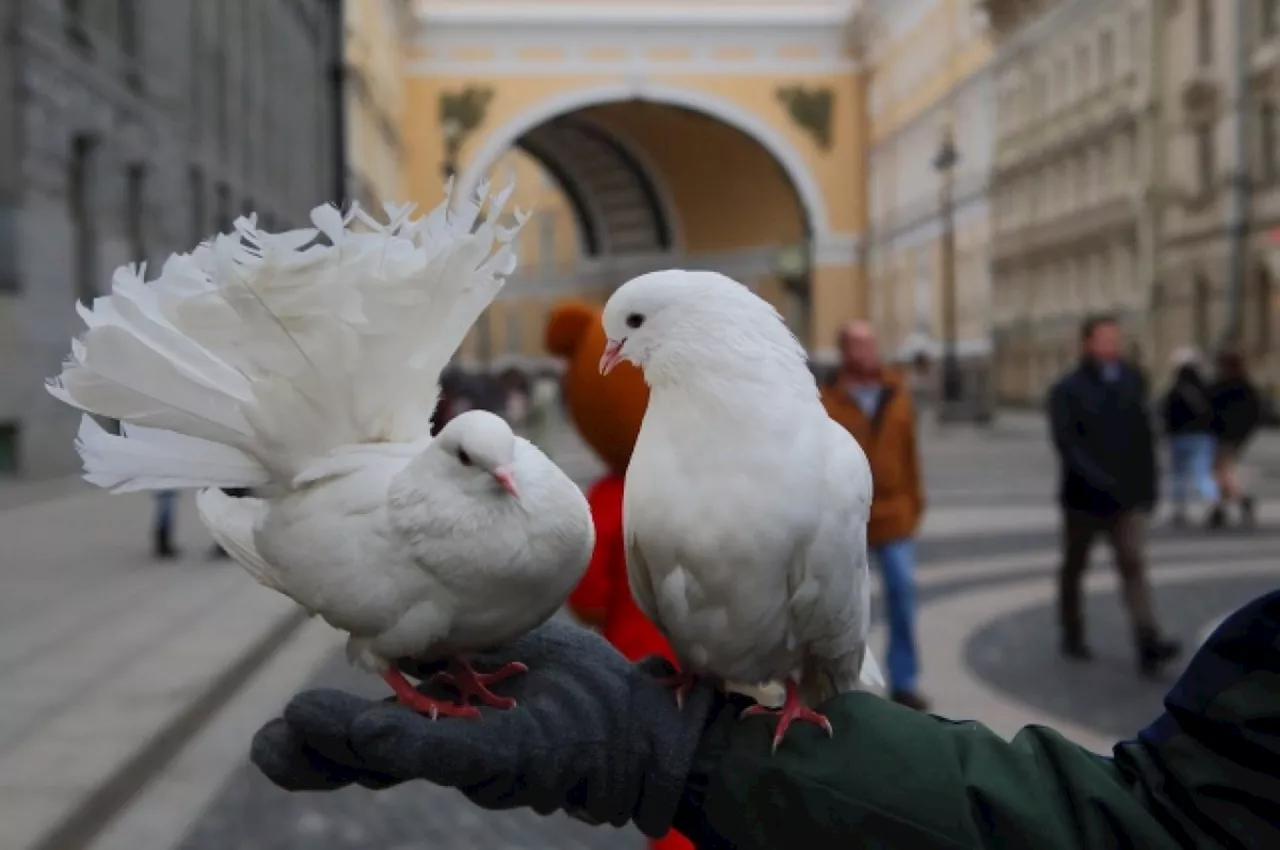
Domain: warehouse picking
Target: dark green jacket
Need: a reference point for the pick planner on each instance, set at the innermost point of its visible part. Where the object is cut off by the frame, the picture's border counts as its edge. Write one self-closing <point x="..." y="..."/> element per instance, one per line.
<point x="1206" y="774"/>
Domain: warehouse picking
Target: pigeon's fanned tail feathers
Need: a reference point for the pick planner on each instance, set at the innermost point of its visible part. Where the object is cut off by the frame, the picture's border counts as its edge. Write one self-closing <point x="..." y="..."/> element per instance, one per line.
<point x="282" y="348"/>
<point x="149" y="459"/>
<point x="233" y="523"/>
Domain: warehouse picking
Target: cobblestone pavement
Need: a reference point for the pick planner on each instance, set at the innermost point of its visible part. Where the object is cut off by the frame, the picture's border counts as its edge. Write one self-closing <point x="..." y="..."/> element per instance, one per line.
<point x="1013" y="653"/>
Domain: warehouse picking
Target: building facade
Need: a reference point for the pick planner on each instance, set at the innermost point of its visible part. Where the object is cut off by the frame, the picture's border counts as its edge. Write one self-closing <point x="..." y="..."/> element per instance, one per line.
<point x="374" y="82"/>
<point x="1079" y="166"/>
<point x="130" y="130"/>
<point x="721" y="134"/>
<point x="930" y="85"/>
<point x="1222" y="93"/>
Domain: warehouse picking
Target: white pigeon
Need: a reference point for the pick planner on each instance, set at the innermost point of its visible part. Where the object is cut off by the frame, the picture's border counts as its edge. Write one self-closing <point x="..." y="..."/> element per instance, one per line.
<point x="308" y="369"/>
<point x="745" y="506"/>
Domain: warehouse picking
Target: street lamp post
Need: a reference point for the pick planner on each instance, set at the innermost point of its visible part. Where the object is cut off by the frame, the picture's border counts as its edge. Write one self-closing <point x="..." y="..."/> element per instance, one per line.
<point x="944" y="163"/>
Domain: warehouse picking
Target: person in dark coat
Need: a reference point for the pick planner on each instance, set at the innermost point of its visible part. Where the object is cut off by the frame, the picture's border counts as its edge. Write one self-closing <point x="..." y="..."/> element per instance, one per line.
<point x="1237" y="413"/>
<point x="1102" y="433"/>
<point x="597" y="736"/>
<point x="1188" y="422"/>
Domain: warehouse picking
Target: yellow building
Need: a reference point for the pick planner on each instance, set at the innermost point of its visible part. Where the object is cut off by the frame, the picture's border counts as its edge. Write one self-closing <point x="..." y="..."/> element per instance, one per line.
<point x="930" y="88"/>
<point x="375" y="100"/>
<point x="720" y="134"/>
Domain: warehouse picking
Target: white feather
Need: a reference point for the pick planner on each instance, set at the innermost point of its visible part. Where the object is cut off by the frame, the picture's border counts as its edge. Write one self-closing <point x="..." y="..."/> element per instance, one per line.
<point x="306" y="364"/>
<point x="286" y="349"/>
<point x="150" y="459"/>
<point x="233" y="522"/>
<point x="746" y="505"/>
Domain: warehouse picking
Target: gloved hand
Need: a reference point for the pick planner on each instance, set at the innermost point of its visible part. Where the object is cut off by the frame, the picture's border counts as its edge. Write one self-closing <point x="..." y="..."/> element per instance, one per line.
<point x="592" y="734"/>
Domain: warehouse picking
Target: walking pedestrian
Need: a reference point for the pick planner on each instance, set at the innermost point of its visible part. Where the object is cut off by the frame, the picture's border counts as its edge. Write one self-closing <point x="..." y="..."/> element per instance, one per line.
<point x="1103" y="437"/>
<point x="1188" y="422"/>
<point x="1237" y="412"/>
<point x="873" y="403"/>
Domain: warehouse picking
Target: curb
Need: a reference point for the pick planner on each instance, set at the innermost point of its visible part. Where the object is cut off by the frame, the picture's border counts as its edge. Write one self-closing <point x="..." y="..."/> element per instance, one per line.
<point x="83" y="823"/>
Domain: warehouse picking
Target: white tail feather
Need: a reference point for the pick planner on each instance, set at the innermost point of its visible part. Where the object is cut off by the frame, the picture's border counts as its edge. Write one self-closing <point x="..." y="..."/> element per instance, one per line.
<point x="870" y="676"/>
<point x="148" y="459"/>
<point x="233" y="523"/>
<point x="264" y="353"/>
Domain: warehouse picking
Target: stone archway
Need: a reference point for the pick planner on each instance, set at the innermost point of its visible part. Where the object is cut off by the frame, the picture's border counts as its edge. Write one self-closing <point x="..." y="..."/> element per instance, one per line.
<point x="549" y="110"/>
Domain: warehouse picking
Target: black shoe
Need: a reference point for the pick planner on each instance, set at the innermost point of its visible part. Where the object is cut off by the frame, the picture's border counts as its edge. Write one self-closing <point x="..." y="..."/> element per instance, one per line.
<point x="1217" y="518"/>
<point x="162" y="547"/>
<point x="1155" y="653"/>
<point x="1076" y="650"/>
<point x="910" y="699"/>
<point x="1247" y="516"/>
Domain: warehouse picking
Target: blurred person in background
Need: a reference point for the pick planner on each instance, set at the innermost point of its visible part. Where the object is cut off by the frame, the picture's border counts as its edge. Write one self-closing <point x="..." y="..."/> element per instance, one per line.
<point x="1188" y="422"/>
<point x="1103" y="437"/>
<point x="1237" y="413"/>
<point x="513" y="385"/>
<point x="873" y="403"/>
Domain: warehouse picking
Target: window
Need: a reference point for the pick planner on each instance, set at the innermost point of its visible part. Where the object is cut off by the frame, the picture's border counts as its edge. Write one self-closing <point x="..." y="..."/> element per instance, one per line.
<point x="221" y="94"/>
<point x="73" y="23"/>
<point x="195" y="181"/>
<point x="1082" y="70"/>
<point x="1262" y="311"/>
<point x="8" y="448"/>
<point x="9" y="248"/>
<point x="1200" y="310"/>
<point x="514" y="336"/>
<point x="136" y="211"/>
<point x="1107" y="56"/>
<point x="1268" y="155"/>
<point x="222" y="216"/>
<point x="1204" y="32"/>
<point x="1205" y="158"/>
<point x="80" y="186"/>
<point x="129" y="42"/>
<point x="1136" y="23"/>
<point x="547" y="240"/>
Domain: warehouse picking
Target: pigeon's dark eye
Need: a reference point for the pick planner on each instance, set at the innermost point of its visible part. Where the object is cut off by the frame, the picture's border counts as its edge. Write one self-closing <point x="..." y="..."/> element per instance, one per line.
<point x="464" y="458"/>
<point x="635" y="320"/>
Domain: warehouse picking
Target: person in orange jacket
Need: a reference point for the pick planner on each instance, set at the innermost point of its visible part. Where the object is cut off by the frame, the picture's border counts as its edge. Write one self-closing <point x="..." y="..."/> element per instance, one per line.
<point x="607" y="413"/>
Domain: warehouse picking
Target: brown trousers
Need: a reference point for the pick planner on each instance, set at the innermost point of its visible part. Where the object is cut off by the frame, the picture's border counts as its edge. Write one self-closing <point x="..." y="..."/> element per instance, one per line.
<point x="1125" y="532"/>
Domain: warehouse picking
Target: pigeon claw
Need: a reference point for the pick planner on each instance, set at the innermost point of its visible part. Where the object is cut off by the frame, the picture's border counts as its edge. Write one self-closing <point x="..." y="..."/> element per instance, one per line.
<point x="682" y="682"/>
<point x="792" y="710"/>
<point x="472" y="684"/>
<point x="410" y="697"/>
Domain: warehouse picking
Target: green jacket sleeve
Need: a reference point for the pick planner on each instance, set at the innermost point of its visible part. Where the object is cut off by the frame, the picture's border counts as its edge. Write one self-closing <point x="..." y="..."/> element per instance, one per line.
<point x="897" y="779"/>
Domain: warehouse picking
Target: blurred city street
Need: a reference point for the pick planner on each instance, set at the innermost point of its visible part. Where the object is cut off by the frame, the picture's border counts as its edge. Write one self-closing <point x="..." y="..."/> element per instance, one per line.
<point x="155" y="712"/>
<point x="974" y="212"/>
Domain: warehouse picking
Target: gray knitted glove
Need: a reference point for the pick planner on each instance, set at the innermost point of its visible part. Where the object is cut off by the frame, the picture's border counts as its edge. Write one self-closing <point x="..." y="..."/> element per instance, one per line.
<point x="592" y="734"/>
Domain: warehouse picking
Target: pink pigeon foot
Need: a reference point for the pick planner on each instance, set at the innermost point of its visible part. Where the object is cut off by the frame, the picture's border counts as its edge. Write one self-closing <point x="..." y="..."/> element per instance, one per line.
<point x="409" y="696"/>
<point x="792" y="710"/>
<point x="682" y="682"/>
<point x="472" y="684"/>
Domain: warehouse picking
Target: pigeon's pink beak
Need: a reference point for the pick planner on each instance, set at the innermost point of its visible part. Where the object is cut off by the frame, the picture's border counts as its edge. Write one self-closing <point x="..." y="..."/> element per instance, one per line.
<point x="504" y="476"/>
<point x="612" y="356"/>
